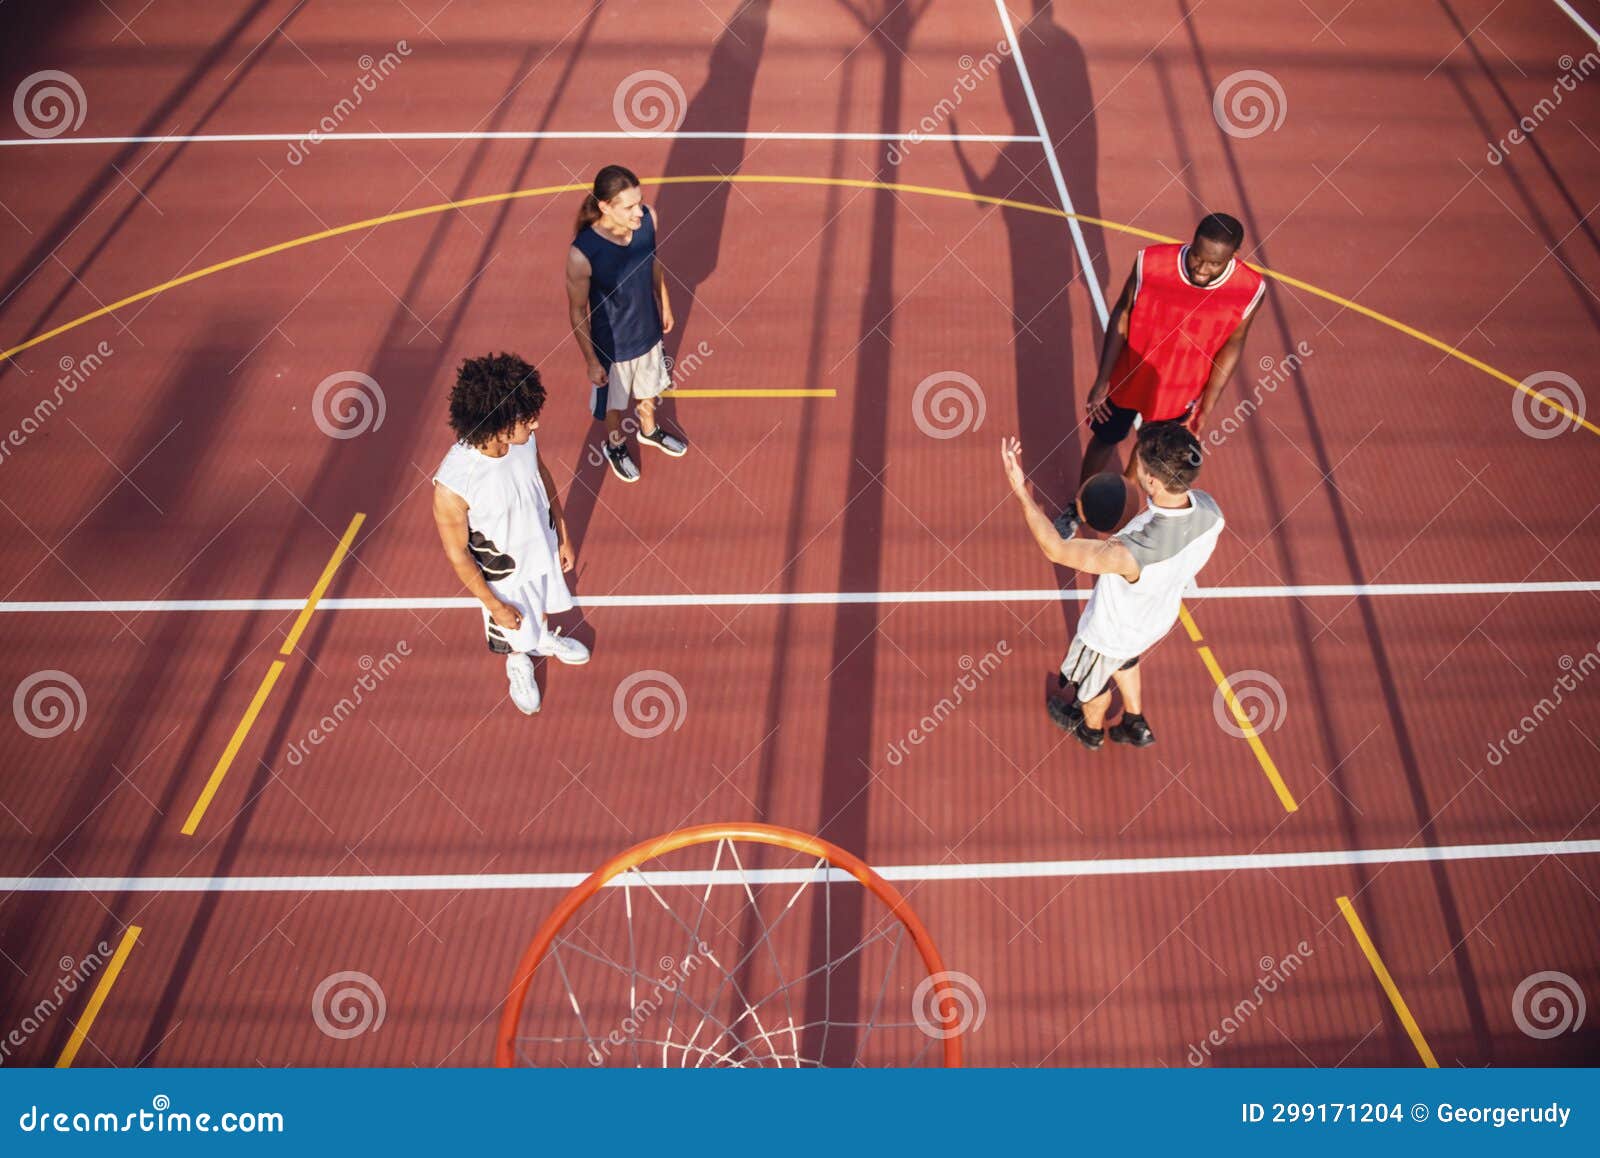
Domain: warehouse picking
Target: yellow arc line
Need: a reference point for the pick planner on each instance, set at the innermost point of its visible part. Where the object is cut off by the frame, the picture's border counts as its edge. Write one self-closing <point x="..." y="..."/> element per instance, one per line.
<point x="80" y="1032"/>
<point x="1389" y="987"/>
<point x="768" y="179"/>
<point x="1251" y="736"/>
<point x="236" y="741"/>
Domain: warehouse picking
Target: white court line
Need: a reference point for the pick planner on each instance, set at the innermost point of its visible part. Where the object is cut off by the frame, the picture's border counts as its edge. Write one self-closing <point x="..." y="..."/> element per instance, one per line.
<point x="800" y="598"/>
<point x="993" y="870"/>
<point x="1055" y="169"/>
<point x="547" y="135"/>
<point x="1579" y="20"/>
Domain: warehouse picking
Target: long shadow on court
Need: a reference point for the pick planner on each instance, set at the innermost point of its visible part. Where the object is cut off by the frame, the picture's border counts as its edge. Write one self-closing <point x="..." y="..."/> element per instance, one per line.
<point x="1337" y="749"/>
<point x="1044" y="262"/>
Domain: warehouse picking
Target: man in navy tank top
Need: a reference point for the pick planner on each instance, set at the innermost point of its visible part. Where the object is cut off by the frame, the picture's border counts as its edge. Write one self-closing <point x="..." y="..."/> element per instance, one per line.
<point x="617" y="303"/>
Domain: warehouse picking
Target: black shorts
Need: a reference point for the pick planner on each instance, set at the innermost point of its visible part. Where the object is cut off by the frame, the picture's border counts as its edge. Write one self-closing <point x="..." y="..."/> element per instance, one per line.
<point x="1114" y="429"/>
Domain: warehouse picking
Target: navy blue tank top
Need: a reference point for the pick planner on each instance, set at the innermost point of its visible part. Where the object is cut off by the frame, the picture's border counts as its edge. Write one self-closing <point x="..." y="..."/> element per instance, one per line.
<point x="623" y="319"/>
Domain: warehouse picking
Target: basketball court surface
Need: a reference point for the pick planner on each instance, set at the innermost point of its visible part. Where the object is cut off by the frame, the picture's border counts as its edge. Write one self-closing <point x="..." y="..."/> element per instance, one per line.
<point x="263" y="800"/>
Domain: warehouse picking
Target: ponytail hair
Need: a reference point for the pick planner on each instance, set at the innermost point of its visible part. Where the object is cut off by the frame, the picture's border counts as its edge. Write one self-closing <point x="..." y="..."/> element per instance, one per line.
<point x="610" y="181"/>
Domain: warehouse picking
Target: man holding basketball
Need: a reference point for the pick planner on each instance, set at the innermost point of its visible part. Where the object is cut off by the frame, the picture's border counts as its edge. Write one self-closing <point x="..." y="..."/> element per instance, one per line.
<point x="1142" y="573"/>
<point x="1173" y="339"/>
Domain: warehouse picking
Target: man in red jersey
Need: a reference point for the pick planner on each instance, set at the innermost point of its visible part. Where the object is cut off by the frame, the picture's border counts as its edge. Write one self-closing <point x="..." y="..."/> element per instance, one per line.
<point x="1173" y="339"/>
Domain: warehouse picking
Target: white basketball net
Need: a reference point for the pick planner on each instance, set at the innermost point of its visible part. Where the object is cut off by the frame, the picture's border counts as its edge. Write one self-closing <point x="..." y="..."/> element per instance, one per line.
<point x="730" y="964"/>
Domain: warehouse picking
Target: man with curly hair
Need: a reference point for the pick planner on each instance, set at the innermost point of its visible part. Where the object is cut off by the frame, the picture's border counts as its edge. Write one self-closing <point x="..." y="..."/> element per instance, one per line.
<point x="495" y="505"/>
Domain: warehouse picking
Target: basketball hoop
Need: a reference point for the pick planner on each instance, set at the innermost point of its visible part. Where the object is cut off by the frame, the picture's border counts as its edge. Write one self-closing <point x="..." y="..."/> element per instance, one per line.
<point x="685" y="951"/>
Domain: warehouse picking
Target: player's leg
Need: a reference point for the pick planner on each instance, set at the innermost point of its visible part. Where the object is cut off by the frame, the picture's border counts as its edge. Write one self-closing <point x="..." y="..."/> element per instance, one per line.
<point x="1132" y="728"/>
<point x="1104" y="438"/>
<point x="516" y="644"/>
<point x="649" y="377"/>
<point x="617" y="401"/>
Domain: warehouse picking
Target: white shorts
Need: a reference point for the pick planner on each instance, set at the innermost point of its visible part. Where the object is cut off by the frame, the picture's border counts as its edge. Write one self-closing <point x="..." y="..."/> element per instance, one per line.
<point x="638" y="378"/>
<point x="535" y="598"/>
<point x="1090" y="671"/>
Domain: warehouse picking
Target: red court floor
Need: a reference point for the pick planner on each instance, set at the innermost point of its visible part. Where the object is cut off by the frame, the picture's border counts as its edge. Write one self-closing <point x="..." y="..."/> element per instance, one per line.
<point x="1409" y="577"/>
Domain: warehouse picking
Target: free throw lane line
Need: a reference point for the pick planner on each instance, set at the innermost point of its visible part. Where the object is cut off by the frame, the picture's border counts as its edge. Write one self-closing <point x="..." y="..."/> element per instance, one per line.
<point x="236" y="741"/>
<point x="1381" y="971"/>
<point x="80" y="1032"/>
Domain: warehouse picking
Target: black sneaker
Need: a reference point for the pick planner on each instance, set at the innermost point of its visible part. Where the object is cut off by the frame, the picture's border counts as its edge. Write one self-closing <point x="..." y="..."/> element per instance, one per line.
<point x="1064" y="714"/>
<point x="664" y="441"/>
<point x="1067" y="523"/>
<point x="621" y="464"/>
<point x="1132" y="730"/>
<point x="1069" y="718"/>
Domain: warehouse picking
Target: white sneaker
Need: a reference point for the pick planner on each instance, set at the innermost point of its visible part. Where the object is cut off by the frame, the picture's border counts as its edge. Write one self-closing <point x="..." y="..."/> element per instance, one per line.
<point x="524" y="691"/>
<point x="565" y="649"/>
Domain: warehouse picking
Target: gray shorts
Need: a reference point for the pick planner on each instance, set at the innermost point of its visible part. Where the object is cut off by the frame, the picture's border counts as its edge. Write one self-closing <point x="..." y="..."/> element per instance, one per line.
<point x="638" y="378"/>
<point x="1090" y="670"/>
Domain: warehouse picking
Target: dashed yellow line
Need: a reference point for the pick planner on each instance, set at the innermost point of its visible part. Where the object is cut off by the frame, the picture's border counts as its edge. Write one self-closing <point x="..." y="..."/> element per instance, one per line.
<point x="80" y="1032"/>
<point x="1389" y="987"/>
<point x="236" y="741"/>
<point x="1251" y="736"/>
<point x="767" y="179"/>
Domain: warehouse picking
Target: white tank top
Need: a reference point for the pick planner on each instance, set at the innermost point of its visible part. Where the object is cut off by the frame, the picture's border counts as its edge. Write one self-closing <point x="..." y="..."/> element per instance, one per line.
<point x="509" y="526"/>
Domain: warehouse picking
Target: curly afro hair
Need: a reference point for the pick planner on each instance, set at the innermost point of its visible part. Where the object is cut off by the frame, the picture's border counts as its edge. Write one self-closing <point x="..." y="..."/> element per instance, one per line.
<point x="491" y="395"/>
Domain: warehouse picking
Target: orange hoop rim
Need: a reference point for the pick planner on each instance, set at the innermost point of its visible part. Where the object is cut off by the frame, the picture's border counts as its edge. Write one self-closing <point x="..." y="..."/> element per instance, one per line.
<point x="751" y="832"/>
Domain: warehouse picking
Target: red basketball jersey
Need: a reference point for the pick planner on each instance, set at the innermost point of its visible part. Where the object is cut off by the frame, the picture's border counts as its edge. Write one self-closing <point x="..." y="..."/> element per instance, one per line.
<point x="1175" y="329"/>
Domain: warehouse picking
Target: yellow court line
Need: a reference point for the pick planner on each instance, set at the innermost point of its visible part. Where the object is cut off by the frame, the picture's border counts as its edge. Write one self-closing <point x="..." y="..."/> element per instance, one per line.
<point x="1251" y="736"/>
<point x="1388" y="984"/>
<point x="750" y="393"/>
<point x="236" y="741"/>
<point x="326" y="577"/>
<point x="768" y="179"/>
<point x="234" y="744"/>
<point x="80" y="1032"/>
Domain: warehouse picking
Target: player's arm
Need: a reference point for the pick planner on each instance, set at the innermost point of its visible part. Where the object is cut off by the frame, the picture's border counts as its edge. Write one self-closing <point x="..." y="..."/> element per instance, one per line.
<point x="658" y="280"/>
<point x="450" y="516"/>
<point x="558" y="518"/>
<point x="1110" y="350"/>
<point x="578" y="274"/>
<point x="1091" y="556"/>
<point x="1222" y="368"/>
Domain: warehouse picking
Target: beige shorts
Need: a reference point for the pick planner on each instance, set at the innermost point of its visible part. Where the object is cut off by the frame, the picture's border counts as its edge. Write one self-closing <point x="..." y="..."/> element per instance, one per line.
<point x="638" y="378"/>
